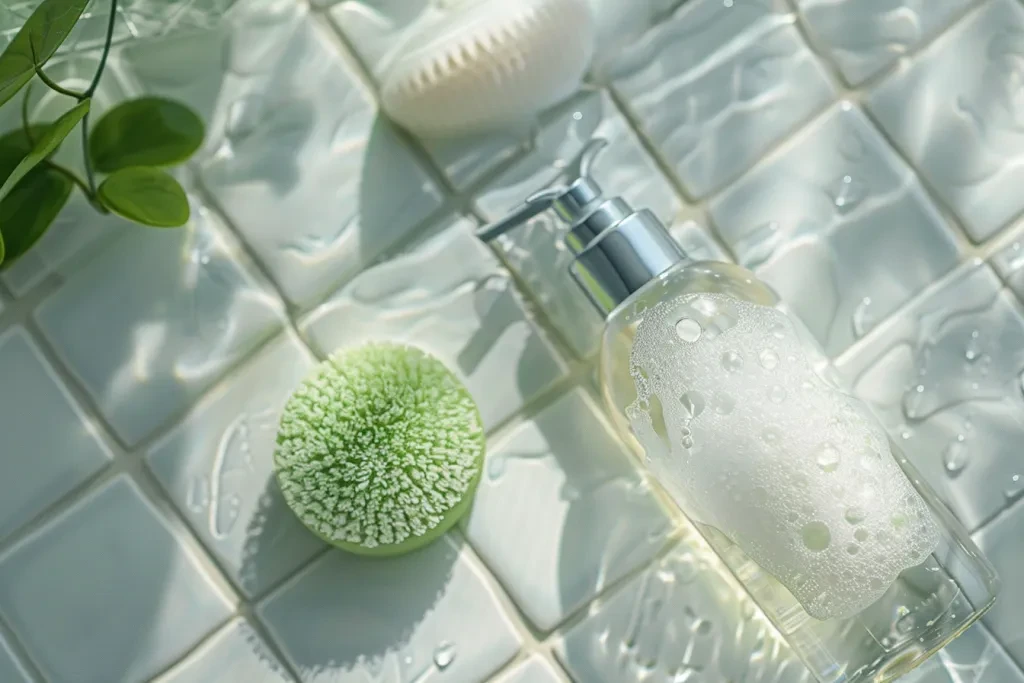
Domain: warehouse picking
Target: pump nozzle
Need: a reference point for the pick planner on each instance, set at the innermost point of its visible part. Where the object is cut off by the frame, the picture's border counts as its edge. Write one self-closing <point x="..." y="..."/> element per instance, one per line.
<point x="617" y="250"/>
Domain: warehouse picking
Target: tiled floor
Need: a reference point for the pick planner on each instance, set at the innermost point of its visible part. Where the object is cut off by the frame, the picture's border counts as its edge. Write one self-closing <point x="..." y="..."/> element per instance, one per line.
<point x="863" y="156"/>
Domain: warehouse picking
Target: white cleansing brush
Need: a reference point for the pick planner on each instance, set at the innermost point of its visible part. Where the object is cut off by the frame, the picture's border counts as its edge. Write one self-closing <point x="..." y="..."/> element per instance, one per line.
<point x="482" y="65"/>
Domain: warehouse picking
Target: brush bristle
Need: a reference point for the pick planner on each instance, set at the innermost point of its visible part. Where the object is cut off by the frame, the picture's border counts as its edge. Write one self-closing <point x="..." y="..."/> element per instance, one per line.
<point x="380" y="449"/>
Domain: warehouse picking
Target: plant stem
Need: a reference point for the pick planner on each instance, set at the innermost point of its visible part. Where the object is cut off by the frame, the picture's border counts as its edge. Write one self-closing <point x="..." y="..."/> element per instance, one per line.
<point x="89" y="93"/>
<point x="24" y="116"/>
<point x="53" y="85"/>
<point x="70" y="176"/>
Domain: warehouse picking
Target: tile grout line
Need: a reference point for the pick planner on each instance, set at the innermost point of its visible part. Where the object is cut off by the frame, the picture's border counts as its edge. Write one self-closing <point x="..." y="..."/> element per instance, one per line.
<point x="21" y="654"/>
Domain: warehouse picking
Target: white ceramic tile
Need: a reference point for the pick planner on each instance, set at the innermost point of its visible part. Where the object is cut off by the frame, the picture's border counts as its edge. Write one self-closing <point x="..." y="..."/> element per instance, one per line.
<point x="1009" y="263"/>
<point x="533" y="251"/>
<point x="79" y="225"/>
<point x="155" y="319"/>
<point x="715" y="86"/>
<point x="682" y="619"/>
<point x="697" y="242"/>
<point x="217" y="466"/>
<point x="1001" y="543"/>
<point x="945" y="380"/>
<point x="561" y="512"/>
<point x="536" y="669"/>
<point x="236" y="653"/>
<point x="10" y="668"/>
<point x="449" y="296"/>
<point x="49" y="447"/>
<point x="424" y="617"/>
<point x="298" y="158"/>
<point x="955" y="110"/>
<point x="838" y="226"/>
<point x="105" y="593"/>
<point x="864" y="36"/>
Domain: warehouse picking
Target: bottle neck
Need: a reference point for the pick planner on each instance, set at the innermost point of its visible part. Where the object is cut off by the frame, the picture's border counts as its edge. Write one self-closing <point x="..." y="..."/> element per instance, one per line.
<point x="623" y="252"/>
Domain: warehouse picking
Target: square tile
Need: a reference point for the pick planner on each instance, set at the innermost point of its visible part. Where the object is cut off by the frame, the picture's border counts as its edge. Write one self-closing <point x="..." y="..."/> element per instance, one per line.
<point x="299" y="159"/>
<point x="561" y="513"/>
<point x="533" y="251"/>
<point x="863" y="37"/>
<point x="945" y="379"/>
<point x="425" y="617"/>
<point x="236" y="653"/>
<point x="1001" y="543"/>
<point x="974" y="657"/>
<point x="712" y="112"/>
<point x="448" y="296"/>
<point x="1009" y="263"/>
<point x="79" y="225"/>
<point x="838" y="226"/>
<point x="10" y="668"/>
<point x="953" y="112"/>
<point x="156" y="318"/>
<point x="683" y="618"/>
<point x="536" y="669"/>
<point x="49" y="446"/>
<point x="106" y="593"/>
<point x="217" y="466"/>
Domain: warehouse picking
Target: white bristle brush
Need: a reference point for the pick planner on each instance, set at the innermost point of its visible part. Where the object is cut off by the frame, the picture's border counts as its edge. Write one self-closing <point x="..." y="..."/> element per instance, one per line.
<point x="487" y="64"/>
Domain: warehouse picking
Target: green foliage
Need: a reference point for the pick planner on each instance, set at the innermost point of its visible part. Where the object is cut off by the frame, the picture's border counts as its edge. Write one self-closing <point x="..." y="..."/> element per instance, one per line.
<point x="36" y="42"/>
<point x="145" y="195"/>
<point x="149" y="131"/>
<point x="47" y="143"/>
<point x="129" y="142"/>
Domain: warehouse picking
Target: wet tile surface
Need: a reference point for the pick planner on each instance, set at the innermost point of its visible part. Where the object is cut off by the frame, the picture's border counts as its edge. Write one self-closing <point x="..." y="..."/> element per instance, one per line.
<point x="106" y="592"/>
<point x="561" y="487"/>
<point x="427" y="616"/>
<point x="318" y="224"/>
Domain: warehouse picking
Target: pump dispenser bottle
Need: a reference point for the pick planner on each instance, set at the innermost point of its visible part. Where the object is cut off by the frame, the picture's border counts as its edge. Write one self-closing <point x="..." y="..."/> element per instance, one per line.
<point x="793" y="482"/>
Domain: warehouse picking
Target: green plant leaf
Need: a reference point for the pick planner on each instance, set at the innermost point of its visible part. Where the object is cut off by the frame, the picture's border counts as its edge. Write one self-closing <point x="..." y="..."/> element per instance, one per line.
<point x="14" y="145"/>
<point x="149" y="131"/>
<point x="145" y="195"/>
<point x="29" y="209"/>
<point x="3" y="252"/>
<point x="45" y="145"/>
<point x="36" y="42"/>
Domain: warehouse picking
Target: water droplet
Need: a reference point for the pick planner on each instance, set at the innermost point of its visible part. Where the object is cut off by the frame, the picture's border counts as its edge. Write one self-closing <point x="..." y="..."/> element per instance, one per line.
<point x="444" y="655"/>
<point x="687" y="442"/>
<point x="853" y="549"/>
<point x="778" y="331"/>
<point x="496" y="466"/>
<point x="954" y="458"/>
<point x="198" y="495"/>
<point x="905" y="624"/>
<point x="771" y="436"/>
<point x="870" y="459"/>
<point x="828" y="458"/>
<point x="777" y="394"/>
<point x="847" y="193"/>
<point x="1016" y="487"/>
<point x="769" y="359"/>
<point x="861" y="535"/>
<point x="689" y="330"/>
<point x="693" y="403"/>
<point x="732" y="361"/>
<point x="816" y="536"/>
<point x="899" y="521"/>
<point x="855" y="515"/>
<point x="973" y="348"/>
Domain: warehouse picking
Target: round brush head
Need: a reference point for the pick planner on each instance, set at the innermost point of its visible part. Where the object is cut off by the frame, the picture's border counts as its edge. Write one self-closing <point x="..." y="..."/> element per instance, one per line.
<point x="380" y="449"/>
<point x="488" y="64"/>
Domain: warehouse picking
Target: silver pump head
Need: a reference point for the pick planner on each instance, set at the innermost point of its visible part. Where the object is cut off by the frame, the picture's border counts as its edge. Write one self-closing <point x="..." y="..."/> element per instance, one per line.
<point x="616" y="250"/>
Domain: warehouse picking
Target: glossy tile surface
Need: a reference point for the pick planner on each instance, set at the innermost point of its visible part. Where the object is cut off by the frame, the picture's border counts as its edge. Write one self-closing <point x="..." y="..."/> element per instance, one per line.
<point x="217" y="466"/>
<point x="49" y="447"/>
<point x="10" y="668"/>
<point x="838" y="226"/>
<point x="945" y="380"/>
<point x="142" y="371"/>
<point x="561" y="514"/>
<point x="954" y="113"/>
<point x="236" y="653"/>
<point x="106" y="592"/>
<point x="427" y="616"/>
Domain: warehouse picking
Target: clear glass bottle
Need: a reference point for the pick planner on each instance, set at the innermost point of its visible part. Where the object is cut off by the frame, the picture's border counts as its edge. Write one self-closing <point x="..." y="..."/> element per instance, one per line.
<point x="831" y="530"/>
